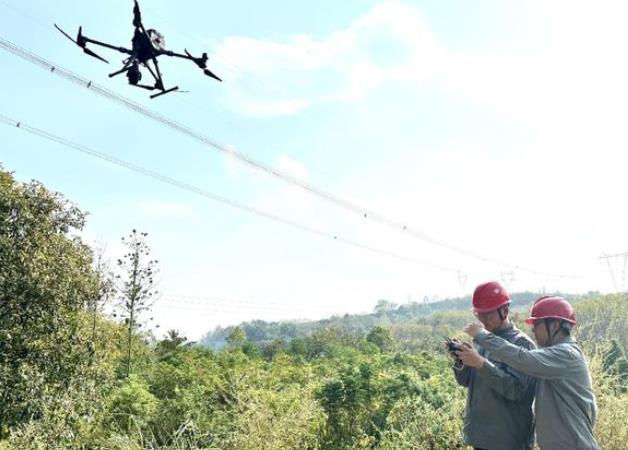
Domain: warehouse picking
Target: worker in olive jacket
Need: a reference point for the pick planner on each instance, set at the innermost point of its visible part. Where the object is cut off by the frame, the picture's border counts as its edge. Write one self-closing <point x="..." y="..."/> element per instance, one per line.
<point x="498" y="413"/>
<point x="564" y="401"/>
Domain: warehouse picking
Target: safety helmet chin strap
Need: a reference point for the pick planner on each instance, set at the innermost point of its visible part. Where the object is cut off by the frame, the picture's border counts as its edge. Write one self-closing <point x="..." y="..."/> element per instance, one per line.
<point x="501" y="313"/>
<point x="551" y="335"/>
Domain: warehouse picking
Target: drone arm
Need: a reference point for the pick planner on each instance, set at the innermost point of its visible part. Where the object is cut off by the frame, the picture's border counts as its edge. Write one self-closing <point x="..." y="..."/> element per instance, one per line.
<point x="104" y="44"/>
<point x="81" y="41"/>
<point x="177" y="55"/>
<point x="200" y="62"/>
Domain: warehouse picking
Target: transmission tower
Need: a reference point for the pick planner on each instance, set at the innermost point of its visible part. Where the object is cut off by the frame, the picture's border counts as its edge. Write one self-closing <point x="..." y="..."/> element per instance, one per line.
<point x="613" y="262"/>
<point x="463" y="277"/>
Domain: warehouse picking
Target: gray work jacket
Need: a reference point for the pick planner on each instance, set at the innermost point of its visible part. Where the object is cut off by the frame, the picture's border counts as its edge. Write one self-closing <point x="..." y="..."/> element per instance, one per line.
<point x="564" y="404"/>
<point x="498" y="413"/>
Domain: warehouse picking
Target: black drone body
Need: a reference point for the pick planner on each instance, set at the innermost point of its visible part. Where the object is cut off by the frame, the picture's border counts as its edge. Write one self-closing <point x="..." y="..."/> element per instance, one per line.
<point x="147" y="46"/>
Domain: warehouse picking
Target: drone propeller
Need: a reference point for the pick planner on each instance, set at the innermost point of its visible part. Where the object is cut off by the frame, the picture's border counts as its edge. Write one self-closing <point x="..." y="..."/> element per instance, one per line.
<point x="81" y="42"/>
<point x="91" y="53"/>
<point x="137" y="15"/>
<point x="210" y="74"/>
<point x="202" y="63"/>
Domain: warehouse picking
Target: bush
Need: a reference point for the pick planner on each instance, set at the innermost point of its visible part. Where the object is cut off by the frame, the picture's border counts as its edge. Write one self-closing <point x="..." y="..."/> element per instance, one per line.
<point x="415" y="424"/>
<point x="612" y="401"/>
<point x="131" y="406"/>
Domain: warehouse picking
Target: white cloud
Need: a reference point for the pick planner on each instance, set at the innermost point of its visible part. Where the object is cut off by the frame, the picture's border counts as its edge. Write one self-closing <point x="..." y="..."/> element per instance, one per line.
<point x="575" y="82"/>
<point x="391" y="42"/>
<point x="580" y="71"/>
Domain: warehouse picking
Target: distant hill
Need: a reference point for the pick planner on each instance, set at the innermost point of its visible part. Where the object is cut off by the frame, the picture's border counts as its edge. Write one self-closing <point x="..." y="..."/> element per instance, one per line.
<point x="385" y="313"/>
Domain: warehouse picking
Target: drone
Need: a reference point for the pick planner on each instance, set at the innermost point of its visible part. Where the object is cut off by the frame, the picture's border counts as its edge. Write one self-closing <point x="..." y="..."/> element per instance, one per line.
<point x="147" y="46"/>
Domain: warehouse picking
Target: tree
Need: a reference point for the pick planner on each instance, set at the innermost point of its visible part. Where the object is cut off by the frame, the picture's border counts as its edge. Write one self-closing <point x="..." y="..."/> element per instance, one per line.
<point x="106" y="289"/>
<point x="46" y="281"/>
<point x="173" y="340"/>
<point x="614" y="361"/>
<point x="350" y="404"/>
<point x="380" y="337"/>
<point x="384" y="306"/>
<point x="236" y="338"/>
<point x="272" y="348"/>
<point x="136" y="284"/>
<point x="170" y="344"/>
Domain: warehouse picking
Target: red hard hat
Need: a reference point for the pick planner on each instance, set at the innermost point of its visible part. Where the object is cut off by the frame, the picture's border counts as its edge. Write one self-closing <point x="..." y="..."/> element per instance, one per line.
<point x="551" y="307"/>
<point x="489" y="296"/>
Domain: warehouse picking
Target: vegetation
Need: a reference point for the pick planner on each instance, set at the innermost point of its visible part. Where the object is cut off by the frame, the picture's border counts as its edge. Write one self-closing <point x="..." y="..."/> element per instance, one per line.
<point x="136" y="284"/>
<point x="376" y="381"/>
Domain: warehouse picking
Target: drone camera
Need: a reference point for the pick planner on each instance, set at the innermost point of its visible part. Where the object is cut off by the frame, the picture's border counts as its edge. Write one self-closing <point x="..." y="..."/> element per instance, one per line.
<point x="134" y="75"/>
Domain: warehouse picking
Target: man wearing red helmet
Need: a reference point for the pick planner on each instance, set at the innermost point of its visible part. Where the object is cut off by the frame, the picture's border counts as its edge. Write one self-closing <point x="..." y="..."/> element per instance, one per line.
<point x="498" y="413"/>
<point x="564" y="401"/>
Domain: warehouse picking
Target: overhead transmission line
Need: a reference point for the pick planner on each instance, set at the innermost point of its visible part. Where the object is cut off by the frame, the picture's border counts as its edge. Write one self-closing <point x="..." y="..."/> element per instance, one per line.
<point x="202" y="304"/>
<point x="226" y="308"/>
<point x="305" y="315"/>
<point x="204" y="193"/>
<point x="198" y="136"/>
<point x="216" y="302"/>
<point x="24" y="13"/>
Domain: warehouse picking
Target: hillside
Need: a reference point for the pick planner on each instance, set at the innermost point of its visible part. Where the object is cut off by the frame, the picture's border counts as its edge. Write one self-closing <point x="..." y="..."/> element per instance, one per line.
<point x="385" y="314"/>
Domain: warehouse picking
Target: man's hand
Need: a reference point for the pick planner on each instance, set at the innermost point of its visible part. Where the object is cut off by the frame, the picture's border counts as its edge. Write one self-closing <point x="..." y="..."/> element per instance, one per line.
<point x="473" y="328"/>
<point x="446" y="344"/>
<point x="470" y="356"/>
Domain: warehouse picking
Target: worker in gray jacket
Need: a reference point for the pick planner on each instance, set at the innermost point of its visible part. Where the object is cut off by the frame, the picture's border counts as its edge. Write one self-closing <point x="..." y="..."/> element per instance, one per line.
<point x="498" y="414"/>
<point x="564" y="404"/>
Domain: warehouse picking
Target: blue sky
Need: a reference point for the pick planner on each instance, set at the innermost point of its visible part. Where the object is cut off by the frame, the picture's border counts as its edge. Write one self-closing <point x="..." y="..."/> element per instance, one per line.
<point x="498" y="126"/>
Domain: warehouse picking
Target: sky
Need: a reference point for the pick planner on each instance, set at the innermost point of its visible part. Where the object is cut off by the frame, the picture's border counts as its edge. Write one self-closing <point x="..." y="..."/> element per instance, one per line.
<point x="497" y="127"/>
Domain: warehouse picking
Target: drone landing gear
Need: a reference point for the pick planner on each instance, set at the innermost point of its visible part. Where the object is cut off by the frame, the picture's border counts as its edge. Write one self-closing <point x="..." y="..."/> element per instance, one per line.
<point x="134" y="76"/>
<point x="158" y="87"/>
<point x="165" y="92"/>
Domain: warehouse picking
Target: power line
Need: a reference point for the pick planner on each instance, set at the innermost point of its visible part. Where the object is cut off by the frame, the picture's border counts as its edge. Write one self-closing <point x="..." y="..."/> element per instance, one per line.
<point x="237" y="304"/>
<point x="291" y="315"/>
<point x="204" y="193"/>
<point x="198" y="136"/>
<point x="211" y="305"/>
<point x="25" y="14"/>
<point x="235" y="308"/>
<point x="208" y="300"/>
